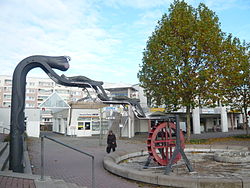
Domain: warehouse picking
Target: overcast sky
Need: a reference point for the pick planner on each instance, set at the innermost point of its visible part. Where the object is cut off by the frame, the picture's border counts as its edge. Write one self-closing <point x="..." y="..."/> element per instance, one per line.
<point x="104" y="38"/>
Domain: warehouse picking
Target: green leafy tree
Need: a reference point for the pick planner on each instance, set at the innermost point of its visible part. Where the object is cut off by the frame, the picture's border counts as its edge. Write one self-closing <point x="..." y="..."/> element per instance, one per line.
<point x="235" y="76"/>
<point x="178" y="66"/>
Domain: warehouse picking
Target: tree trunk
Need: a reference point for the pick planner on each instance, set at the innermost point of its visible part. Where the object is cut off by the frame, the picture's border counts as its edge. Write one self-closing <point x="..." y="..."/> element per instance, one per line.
<point x="246" y="127"/>
<point x="188" y="115"/>
<point x="231" y="120"/>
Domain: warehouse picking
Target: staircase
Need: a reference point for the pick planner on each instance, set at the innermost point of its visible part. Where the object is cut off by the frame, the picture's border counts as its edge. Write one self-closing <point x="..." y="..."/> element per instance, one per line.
<point x="115" y="123"/>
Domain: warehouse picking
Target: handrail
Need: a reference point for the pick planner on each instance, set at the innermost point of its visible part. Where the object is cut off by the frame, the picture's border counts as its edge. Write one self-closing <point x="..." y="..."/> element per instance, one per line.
<point x="4" y="128"/>
<point x="42" y="157"/>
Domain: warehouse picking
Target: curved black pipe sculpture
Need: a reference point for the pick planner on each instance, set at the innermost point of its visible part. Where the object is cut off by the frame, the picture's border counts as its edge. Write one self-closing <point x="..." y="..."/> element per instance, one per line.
<point x="84" y="82"/>
<point x="18" y="100"/>
<point x="46" y="63"/>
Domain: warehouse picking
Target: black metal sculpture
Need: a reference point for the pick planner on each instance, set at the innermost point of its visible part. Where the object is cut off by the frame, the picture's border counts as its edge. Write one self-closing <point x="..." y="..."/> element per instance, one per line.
<point x="84" y="82"/>
<point x="18" y="101"/>
<point x="47" y="63"/>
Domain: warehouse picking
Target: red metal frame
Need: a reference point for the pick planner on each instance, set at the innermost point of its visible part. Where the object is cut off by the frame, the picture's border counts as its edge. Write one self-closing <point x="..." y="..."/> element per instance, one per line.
<point x="161" y="143"/>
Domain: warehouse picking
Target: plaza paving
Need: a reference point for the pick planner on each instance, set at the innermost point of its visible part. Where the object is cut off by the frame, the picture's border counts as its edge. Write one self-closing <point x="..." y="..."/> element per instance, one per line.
<point x="73" y="167"/>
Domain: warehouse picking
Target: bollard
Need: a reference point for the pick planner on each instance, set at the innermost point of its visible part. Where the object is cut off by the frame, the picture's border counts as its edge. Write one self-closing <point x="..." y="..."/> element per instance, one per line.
<point x="42" y="158"/>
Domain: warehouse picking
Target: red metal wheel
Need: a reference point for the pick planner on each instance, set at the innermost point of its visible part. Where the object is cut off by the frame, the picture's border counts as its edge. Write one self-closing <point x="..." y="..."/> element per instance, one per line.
<point x="161" y="143"/>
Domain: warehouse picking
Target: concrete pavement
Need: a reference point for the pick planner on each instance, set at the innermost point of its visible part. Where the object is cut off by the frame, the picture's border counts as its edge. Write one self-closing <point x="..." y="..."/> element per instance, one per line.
<point x="73" y="167"/>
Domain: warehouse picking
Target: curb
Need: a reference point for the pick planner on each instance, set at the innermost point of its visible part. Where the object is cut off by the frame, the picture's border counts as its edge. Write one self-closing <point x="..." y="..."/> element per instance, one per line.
<point x="110" y="163"/>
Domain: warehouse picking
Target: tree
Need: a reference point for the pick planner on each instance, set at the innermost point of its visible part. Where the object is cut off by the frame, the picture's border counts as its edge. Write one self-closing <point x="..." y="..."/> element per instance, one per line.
<point x="235" y="76"/>
<point x="178" y="63"/>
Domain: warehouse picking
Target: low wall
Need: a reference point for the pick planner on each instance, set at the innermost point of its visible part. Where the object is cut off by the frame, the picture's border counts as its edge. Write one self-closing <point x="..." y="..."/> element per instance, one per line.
<point x="110" y="163"/>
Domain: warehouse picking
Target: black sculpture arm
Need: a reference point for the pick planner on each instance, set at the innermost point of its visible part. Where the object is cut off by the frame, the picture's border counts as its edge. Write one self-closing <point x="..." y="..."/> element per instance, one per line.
<point x="18" y="100"/>
<point x="84" y="82"/>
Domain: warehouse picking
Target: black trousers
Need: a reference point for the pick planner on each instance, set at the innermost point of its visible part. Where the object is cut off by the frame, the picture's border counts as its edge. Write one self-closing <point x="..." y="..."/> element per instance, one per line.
<point x="108" y="149"/>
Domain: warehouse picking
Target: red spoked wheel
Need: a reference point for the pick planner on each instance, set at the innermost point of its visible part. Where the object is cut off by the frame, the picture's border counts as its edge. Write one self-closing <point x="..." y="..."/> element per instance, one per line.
<point x="161" y="143"/>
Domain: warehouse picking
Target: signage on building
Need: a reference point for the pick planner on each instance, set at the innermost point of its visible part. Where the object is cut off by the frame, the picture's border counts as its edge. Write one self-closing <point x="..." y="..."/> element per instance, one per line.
<point x="157" y="109"/>
<point x="207" y="111"/>
<point x="89" y="115"/>
<point x="236" y="111"/>
<point x="109" y="108"/>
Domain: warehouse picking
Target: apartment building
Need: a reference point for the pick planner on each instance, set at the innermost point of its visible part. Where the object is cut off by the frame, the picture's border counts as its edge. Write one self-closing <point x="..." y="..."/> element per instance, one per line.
<point x="37" y="90"/>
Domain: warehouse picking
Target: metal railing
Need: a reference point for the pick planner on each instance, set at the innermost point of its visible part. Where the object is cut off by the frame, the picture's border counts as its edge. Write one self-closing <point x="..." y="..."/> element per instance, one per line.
<point x="4" y="128"/>
<point x="42" y="157"/>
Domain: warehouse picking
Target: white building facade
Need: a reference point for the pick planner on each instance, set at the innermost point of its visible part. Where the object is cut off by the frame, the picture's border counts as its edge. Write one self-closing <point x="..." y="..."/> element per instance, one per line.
<point x="37" y="90"/>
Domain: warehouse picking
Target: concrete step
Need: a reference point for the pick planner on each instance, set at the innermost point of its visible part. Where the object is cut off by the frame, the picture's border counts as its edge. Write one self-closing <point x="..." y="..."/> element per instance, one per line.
<point x="4" y="158"/>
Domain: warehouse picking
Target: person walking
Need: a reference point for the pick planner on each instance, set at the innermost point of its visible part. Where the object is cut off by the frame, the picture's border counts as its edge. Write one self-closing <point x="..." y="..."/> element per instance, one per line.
<point x="111" y="141"/>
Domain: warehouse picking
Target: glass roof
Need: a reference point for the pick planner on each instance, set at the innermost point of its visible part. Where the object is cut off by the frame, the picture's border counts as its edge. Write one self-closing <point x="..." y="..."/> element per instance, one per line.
<point x="54" y="101"/>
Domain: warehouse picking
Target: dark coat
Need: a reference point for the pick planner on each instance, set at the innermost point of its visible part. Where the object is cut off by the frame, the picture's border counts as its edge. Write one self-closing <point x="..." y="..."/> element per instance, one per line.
<point x="111" y="140"/>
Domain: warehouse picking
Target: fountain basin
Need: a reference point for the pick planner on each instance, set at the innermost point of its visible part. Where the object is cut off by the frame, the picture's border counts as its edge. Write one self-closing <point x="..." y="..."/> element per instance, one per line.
<point x="112" y="163"/>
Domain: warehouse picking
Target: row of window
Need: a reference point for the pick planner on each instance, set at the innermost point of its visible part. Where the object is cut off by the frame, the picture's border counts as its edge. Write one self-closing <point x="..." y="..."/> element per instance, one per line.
<point x="8" y="104"/>
<point x="29" y="98"/>
<point x="46" y="84"/>
<point x="44" y="91"/>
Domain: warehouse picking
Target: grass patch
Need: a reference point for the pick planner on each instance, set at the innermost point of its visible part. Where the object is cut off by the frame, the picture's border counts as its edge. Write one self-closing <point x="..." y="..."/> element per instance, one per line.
<point x="198" y="141"/>
<point x="244" y="136"/>
<point x="219" y="140"/>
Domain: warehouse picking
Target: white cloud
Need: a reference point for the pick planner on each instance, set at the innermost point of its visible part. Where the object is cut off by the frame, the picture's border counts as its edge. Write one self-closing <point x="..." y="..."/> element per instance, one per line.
<point x="35" y="27"/>
<point x="141" y="4"/>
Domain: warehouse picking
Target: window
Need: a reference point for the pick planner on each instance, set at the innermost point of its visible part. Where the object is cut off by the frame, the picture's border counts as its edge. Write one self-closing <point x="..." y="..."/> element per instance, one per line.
<point x="29" y="98"/>
<point x="47" y="119"/>
<point x="217" y="121"/>
<point x="95" y="124"/>
<point x="87" y="125"/>
<point x="135" y="95"/>
<point x="65" y="98"/>
<point x="29" y="105"/>
<point x="31" y="90"/>
<point x="119" y="93"/>
<point x="6" y="96"/>
<point x="84" y="125"/>
<point x="31" y="83"/>
<point x="41" y="98"/>
<point x="75" y="93"/>
<point x="45" y="91"/>
<point x="83" y="118"/>
<point x="80" y="126"/>
<point x="6" y="104"/>
<point x="7" y="89"/>
<point x="46" y="84"/>
<point x="62" y="91"/>
<point x="8" y="82"/>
